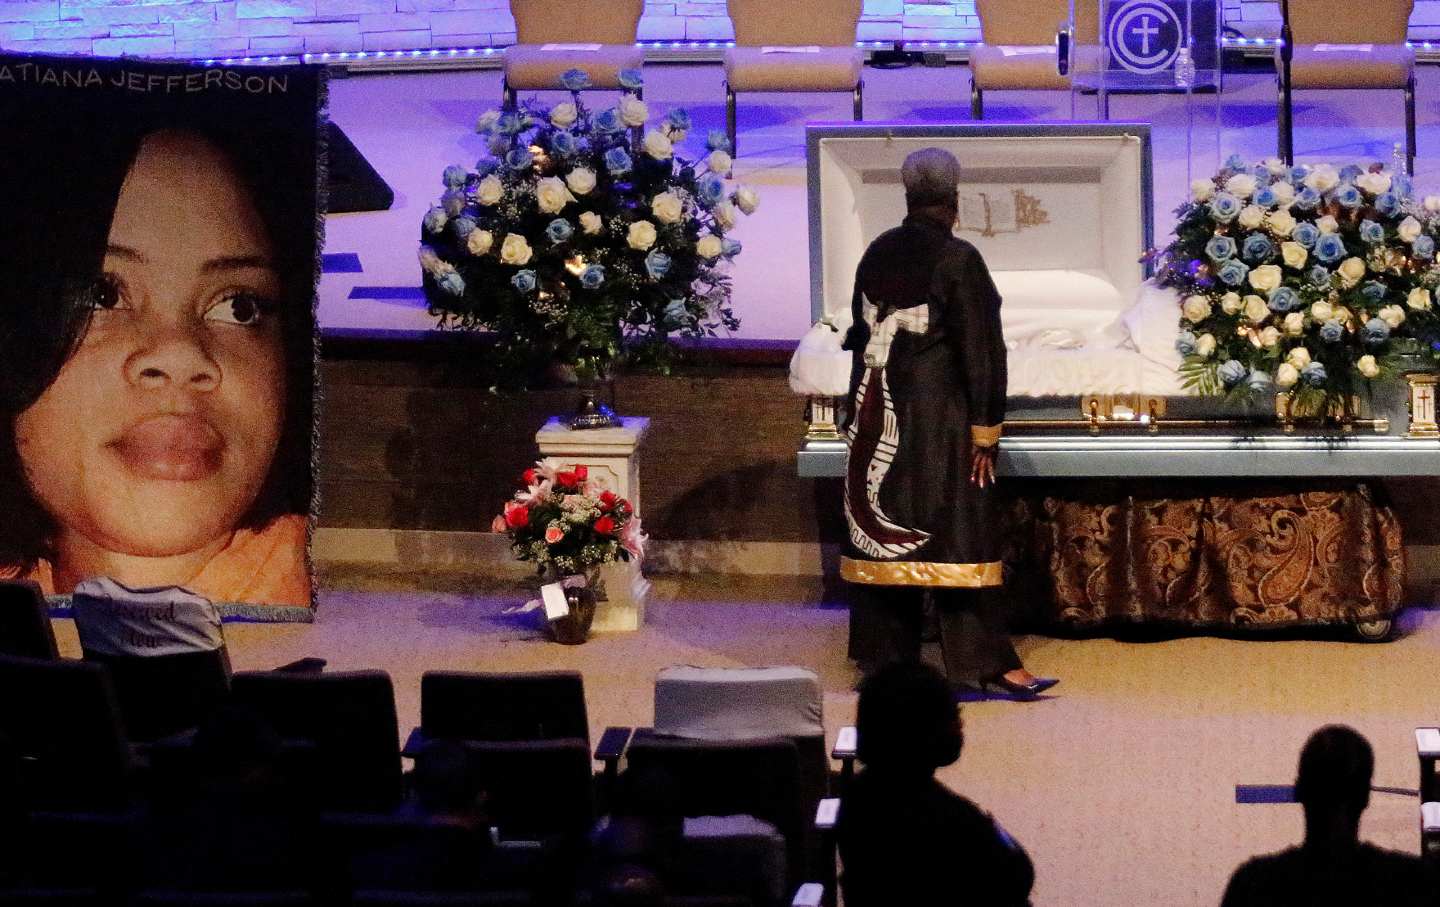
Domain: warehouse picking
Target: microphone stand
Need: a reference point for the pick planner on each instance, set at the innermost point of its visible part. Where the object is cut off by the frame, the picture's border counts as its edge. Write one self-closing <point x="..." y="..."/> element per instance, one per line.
<point x="1287" y="53"/>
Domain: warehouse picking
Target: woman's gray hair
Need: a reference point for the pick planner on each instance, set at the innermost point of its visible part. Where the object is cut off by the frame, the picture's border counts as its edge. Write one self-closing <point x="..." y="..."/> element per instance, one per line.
<point x="931" y="177"/>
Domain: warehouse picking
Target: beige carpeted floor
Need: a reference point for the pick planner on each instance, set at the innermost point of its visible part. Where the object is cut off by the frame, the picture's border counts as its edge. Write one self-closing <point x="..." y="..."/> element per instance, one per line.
<point x="1121" y="786"/>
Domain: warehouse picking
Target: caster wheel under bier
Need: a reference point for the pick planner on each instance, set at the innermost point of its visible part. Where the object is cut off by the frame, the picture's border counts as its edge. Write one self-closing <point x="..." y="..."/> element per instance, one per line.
<point x="1375" y="630"/>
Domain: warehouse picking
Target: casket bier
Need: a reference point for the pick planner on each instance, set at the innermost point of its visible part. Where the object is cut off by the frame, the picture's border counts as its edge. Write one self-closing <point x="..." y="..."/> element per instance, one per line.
<point x="1062" y="215"/>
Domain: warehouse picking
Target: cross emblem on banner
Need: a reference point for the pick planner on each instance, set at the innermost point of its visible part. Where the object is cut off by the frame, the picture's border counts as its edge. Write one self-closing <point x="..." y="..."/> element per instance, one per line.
<point x="1146" y="30"/>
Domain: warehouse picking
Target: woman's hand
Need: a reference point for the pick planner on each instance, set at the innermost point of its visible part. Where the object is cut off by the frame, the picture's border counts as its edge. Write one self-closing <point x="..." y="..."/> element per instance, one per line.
<point x="982" y="466"/>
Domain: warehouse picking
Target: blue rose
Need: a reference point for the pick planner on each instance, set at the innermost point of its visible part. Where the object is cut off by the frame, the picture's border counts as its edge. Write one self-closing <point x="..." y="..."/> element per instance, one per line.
<point x="486" y="166"/>
<point x="710" y="189"/>
<point x="1224" y="207"/>
<point x="1233" y="272"/>
<point x="1232" y="372"/>
<point x="435" y="220"/>
<point x="617" y="161"/>
<point x="1259" y="381"/>
<point x="1185" y="343"/>
<point x="1257" y="247"/>
<point x="609" y="122"/>
<point x="1314" y="374"/>
<point x="730" y="247"/>
<point x="498" y="145"/>
<point x="1349" y="172"/>
<point x="1236" y="162"/>
<point x="1320" y="276"/>
<point x="464" y="226"/>
<point x="453" y="201"/>
<point x="525" y="281"/>
<point x="519" y="159"/>
<point x="562" y="143"/>
<point x="657" y="264"/>
<point x="1371" y="232"/>
<point x="1220" y="248"/>
<point x="676" y="314"/>
<point x="1260" y="171"/>
<point x="1347" y="196"/>
<point x="1374" y="291"/>
<point x="1330" y="248"/>
<point x="1307" y="199"/>
<point x="1386" y="203"/>
<point x="559" y="230"/>
<point x="632" y="79"/>
<point x="717" y="141"/>
<point x="679" y="118"/>
<point x="454" y="177"/>
<point x="452" y="283"/>
<point x="575" y="79"/>
<point x="1265" y="197"/>
<point x="1375" y="332"/>
<point x="510" y="123"/>
<point x="1298" y="173"/>
<point x="593" y="277"/>
<point x="1331" y="331"/>
<point x="1305" y="233"/>
<point x="1423" y="246"/>
<point x="1283" y="299"/>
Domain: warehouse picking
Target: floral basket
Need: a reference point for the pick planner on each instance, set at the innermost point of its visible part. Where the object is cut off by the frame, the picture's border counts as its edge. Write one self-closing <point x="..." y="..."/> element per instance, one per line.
<point x="585" y="237"/>
<point x="1307" y="280"/>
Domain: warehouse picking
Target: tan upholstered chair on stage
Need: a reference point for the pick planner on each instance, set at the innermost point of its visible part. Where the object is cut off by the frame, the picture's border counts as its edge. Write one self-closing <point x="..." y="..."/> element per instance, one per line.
<point x="822" y="56"/>
<point x="1342" y="44"/>
<point x="1020" y="53"/>
<point x="611" y="24"/>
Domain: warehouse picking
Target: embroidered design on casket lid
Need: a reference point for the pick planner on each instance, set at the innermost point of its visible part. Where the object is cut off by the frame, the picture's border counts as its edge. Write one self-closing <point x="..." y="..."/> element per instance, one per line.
<point x="990" y="213"/>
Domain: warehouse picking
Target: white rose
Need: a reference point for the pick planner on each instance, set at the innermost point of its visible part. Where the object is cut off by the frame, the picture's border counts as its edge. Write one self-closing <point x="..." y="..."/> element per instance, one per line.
<point x="1266" y="278"/>
<point x="658" y="145"/>
<point x="1299" y="357"/>
<point x="633" y="111"/>
<point x="1205" y="346"/>
<point x="720" y="162"/>
<point x="1392" y="315"/>
<point x="641" y="235"/>
<point x="429" y="261"/>
<point x="487" y="120"/>
<point x="1323" y="178"/>
<point x="1255" y="309"/>
<point x="479" y="241"/>
<point x="551" y="195"/>
<point x="1432" y="204"/>
<point x="1419" y="299"/>
<point x="590" y="222"/>
<point x="1409" y="229"/>
<point x="490" y="190"/>
<point x="1281" y="222"/>
<point x="1284" y="194"/>
<point x="581" y="180"/>
<point x="1274" y="166"/>
<point x="1230" y="303"/>
<point x="709" y="247"/>
<point x="1327" y="224"/>
<point x="515" y="250"/>
<point x="1251" y="216"/>
<point x="1373" y="183"/>
<point x="1294" y="254"/>
<point x="1294" y="324"/>
<point x="1341" y="314"/>
<point x="1286" y="375"/>
<point x="1367" y="366"/>
<point x="564" y="115"/>
<point x="1352" y="271"/>
<point x="1322" y="311"/>
<point x="1202" y="190"/>
<point x="747" y="200"/>
<point x="1270" y="337"/>
<point x="726" y="215"/>
<point x="667" y="208"/>
<point x="1241" y="185"/>
<point x="1196" y="309"/>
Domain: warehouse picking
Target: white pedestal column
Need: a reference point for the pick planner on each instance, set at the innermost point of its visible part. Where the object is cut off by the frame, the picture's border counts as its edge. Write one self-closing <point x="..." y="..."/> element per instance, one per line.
<point x="612" y="456"/>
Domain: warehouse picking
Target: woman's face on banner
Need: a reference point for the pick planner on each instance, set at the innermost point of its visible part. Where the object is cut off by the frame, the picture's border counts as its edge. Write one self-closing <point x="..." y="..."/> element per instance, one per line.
<point x="155" y="438"/>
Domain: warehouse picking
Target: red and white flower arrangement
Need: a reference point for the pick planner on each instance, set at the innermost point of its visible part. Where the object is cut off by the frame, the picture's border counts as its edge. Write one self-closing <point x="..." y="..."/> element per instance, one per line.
<point x="565" y="522"/>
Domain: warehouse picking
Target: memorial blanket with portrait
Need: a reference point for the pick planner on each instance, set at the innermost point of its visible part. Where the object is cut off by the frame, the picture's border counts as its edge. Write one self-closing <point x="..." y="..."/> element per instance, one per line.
<point x="157" y="286"/>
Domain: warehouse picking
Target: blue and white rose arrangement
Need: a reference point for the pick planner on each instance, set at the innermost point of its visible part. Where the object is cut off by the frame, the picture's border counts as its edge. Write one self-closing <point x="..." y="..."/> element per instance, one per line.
<point x="584" y="238"/>
<point x="1304" y="279"/>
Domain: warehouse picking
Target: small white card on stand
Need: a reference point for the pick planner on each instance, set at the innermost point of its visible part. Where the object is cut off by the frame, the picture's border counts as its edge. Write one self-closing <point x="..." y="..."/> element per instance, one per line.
<point x="552" y="595"/>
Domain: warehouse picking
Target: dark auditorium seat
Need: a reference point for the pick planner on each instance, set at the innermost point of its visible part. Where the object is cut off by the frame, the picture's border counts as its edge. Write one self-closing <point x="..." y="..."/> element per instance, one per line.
<point x="349" y="719"/>
<point x="25" y="630"/>
<point x="462" y="705"/>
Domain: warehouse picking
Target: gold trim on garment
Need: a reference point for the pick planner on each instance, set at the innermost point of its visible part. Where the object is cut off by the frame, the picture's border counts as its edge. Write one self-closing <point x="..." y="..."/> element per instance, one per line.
<point x="921" y="573"/>
<point x="985" y="435"/>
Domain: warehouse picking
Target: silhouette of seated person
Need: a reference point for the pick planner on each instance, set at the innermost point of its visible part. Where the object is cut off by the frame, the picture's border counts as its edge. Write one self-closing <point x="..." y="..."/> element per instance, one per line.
<point x="904" y="838"/>
<point x="1332" y="866"/>
<point x="635" y="850"/>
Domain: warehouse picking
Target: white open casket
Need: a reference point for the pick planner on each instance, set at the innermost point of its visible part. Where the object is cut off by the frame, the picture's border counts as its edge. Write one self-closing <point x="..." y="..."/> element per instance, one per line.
<point x="1062" y="215"/>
